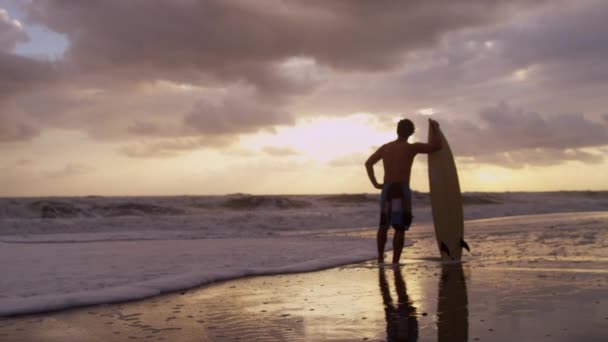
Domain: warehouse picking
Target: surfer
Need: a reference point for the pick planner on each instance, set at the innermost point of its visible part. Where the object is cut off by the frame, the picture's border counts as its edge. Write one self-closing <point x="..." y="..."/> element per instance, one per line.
<point x="396" y="198"/>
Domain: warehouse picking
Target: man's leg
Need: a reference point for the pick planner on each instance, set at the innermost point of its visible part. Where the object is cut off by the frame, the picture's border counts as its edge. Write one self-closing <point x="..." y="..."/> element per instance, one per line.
<point x="398" y="245"/>
<point x="381" y="241"/>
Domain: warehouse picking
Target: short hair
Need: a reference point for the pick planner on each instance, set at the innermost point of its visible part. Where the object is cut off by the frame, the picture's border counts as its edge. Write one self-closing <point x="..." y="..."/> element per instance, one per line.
<point x="405" y="128"/>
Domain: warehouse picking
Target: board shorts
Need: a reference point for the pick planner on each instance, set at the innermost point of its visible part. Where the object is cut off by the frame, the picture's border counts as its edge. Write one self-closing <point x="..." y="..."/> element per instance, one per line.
<point x="396" y="206"/>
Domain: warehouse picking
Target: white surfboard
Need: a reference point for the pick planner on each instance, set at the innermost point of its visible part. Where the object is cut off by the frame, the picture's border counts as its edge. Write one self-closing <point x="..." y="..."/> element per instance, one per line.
<point x="446" y="202"/>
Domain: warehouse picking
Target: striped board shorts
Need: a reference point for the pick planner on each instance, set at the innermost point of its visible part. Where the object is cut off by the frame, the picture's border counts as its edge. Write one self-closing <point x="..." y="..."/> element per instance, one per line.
<point x="396" y="206"/>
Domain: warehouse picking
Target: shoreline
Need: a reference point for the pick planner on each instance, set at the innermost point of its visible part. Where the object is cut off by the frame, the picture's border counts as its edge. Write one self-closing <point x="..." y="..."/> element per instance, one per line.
<point x="360" y="301"/>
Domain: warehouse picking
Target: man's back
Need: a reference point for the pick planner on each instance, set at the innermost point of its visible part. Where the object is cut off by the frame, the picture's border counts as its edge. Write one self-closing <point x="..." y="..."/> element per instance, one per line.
<point x="397" y="159"/>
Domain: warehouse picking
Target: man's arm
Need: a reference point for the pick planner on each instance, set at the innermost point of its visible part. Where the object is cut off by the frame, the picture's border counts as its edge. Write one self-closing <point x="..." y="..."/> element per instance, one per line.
<point x="434" y="143"/>
<point x="369" y="166"/>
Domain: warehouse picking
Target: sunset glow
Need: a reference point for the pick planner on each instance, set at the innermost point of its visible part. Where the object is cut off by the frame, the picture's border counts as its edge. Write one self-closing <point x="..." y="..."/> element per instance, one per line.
<point x="286" y="101"/>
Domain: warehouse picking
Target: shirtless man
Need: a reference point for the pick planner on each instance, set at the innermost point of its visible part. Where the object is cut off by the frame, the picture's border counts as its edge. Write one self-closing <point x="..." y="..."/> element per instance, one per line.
<point x="396" y="198"/>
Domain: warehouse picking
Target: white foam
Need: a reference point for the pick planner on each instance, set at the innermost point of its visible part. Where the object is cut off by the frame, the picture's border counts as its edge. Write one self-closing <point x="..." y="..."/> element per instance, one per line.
<point x="53" y="276"/>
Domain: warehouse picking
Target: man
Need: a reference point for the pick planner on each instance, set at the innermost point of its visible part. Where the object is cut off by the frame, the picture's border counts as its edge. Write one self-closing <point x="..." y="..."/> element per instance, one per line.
<point x="396" y="198"/>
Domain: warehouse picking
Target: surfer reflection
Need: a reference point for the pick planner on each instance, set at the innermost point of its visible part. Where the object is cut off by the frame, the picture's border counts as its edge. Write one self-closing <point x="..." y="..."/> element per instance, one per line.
<point x="452" y="307"/>
<point x="401" y="320"/>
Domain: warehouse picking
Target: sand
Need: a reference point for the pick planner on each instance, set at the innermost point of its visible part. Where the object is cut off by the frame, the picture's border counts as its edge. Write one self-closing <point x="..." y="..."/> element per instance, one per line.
<point x="422" y="299"/>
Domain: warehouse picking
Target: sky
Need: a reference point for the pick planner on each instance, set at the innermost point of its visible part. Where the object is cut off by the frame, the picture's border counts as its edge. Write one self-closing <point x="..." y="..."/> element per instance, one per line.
<point x="186" y="97"/>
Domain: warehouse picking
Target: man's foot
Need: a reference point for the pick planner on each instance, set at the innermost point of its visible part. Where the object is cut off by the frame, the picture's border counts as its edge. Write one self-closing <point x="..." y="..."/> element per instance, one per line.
<point x="381" y="258"/>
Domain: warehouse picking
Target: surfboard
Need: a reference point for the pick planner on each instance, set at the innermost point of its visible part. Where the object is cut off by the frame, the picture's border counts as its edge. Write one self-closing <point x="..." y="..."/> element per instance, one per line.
<point x="446" y="202"/>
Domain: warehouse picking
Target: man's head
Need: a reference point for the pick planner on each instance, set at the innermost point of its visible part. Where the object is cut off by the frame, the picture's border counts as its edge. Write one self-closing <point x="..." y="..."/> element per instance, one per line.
<point x="405" y="128"/>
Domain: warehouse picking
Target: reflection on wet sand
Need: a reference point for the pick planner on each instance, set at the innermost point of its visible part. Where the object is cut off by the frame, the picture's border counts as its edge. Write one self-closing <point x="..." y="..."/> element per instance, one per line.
<point x="401" y="319"/>
<point x="452" y="308"/>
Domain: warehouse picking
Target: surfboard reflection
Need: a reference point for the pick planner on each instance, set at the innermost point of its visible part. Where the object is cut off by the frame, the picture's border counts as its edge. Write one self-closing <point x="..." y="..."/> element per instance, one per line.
<point x="401" y="319"/>
<point x="452" y="308"/>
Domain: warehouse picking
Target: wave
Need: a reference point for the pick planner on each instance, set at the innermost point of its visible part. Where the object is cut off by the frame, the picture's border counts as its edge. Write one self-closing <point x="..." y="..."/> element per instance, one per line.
<point x="250" y="202"/>
<point x="480" y="198"/>
<point x="63" y="209"/>
<point x="98" y="206"/>
<point x="351" y="198"/>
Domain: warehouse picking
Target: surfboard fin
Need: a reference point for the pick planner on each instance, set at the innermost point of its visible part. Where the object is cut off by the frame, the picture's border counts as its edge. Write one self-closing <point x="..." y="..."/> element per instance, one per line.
<point x="444" y="248"/>
<point x="465" y="245"/>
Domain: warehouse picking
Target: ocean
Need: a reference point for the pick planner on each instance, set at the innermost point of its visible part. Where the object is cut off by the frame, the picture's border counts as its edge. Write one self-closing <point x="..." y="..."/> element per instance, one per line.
<point x="61" y="252"/>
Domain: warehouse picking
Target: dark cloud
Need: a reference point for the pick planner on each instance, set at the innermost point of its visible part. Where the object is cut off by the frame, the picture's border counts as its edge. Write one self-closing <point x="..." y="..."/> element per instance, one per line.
<point x="508" y="136"/>
<point x="20" y="73"/>
<point x="553" y="57"/>
<point x="558" y="49"/>
<point x="572" y="32"/>
<point x="11" y="32"/>
<point x="246" y="40"/>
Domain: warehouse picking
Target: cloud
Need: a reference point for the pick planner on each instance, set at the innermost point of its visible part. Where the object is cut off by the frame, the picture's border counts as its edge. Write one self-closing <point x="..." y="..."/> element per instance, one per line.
<point x="355" y="159"/>
<point x="21" y="163"/>
<point x="553" y="57"/>
<point x="233" y="115"/>
<point x="279" y="151"/>
<point x="171" y="147"/>
<point x="22" y="73"/>
<point x="538" y="157"/>
<point x="510" y="136"/>
<point x="12" y="129"/>
<point x="140" y="127"/>
<point x="11" y="32"/>
<point x="24" y="162"/>
<point x="69" y="170"/>
<point x="238" y="67"/>
<point x="245" y="41"/>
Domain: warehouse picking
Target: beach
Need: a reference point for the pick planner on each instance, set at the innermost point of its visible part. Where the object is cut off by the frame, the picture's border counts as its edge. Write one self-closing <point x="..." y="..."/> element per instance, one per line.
<point x="421" y="300"/>
<point x="527" y="278"/>
<point x="228" y="170"/>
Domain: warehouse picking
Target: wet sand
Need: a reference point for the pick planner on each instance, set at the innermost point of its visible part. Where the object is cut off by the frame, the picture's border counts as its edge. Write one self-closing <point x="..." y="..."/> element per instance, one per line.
<point x="421" y="300"/>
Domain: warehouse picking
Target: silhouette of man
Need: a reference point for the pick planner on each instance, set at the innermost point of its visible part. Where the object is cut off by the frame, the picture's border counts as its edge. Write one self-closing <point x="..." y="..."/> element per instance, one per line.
<point x="401" y="317"/>
<point x="396" y="199"/>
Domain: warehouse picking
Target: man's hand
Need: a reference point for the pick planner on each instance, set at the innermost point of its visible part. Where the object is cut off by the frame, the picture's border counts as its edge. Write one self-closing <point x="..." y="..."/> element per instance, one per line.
<point x="378" y="186"/>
